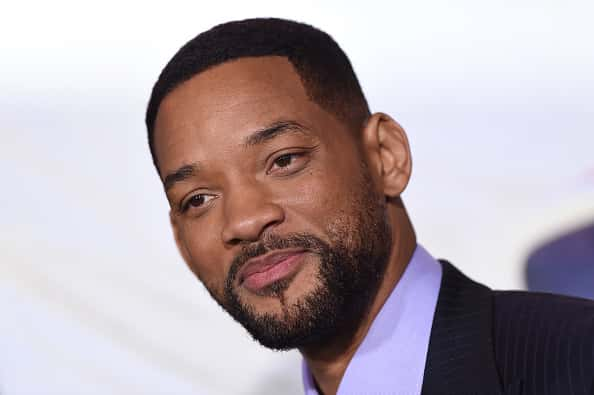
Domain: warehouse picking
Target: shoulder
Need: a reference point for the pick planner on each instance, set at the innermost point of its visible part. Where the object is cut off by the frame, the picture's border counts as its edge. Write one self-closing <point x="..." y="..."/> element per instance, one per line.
<point x="544" y="339"/>
<point x="539" y="343"/>
<point x="561" y="314"/>
<point x="551" y="305"/>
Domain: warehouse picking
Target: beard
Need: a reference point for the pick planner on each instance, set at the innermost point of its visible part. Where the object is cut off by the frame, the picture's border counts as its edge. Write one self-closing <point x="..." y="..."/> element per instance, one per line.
<point x="351" y="267"/>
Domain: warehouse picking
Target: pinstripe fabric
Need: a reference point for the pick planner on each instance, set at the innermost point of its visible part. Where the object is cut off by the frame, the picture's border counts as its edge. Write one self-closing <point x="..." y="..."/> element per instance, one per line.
<point x="546" y="341"/>
<point x="507" y="342"/>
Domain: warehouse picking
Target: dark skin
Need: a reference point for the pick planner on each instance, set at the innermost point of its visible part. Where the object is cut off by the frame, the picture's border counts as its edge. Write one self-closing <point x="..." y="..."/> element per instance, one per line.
<point x="257" y="156"/>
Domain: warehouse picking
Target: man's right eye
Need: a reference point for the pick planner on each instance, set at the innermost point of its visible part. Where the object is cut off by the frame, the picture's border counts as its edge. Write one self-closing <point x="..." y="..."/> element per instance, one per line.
<point x="196" y="201"/>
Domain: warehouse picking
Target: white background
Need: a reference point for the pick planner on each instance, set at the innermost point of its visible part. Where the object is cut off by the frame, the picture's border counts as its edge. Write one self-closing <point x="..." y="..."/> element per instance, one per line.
<point x="497" y="99"/>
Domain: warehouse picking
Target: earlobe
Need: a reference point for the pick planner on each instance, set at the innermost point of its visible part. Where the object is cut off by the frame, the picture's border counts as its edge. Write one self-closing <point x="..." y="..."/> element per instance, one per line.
<point x="389" y="153"/>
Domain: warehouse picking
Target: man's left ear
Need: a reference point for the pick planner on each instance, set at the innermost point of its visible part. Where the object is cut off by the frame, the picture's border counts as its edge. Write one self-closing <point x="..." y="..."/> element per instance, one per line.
<point x="387" y="148"/>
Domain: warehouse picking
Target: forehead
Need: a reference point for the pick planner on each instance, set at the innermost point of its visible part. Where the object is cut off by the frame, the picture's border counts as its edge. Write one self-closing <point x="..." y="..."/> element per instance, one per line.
<point x="227" y="101"/>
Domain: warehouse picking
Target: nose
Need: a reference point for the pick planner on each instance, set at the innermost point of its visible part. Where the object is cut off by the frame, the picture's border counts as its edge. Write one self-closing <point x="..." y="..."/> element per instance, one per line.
<point x="249" y="211"/>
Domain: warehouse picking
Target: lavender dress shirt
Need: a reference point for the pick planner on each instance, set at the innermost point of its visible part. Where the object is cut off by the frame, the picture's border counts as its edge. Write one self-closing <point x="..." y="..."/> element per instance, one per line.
<point x="391" y="358"/>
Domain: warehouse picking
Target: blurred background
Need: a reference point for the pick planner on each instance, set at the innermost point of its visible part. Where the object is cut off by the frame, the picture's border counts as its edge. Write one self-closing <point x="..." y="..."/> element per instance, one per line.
<point x="497" y="99"/>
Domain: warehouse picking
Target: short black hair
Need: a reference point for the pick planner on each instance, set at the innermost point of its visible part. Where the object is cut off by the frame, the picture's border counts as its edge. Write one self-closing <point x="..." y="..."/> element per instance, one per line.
<point x="324" y="69"/>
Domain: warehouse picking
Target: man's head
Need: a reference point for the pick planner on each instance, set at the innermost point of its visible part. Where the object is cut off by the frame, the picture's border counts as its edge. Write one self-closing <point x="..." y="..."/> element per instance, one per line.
<point x="284" y="191"/>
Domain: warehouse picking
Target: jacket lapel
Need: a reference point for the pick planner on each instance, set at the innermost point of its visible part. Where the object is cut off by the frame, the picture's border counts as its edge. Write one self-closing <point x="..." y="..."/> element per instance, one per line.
<point x="461" y="357"/>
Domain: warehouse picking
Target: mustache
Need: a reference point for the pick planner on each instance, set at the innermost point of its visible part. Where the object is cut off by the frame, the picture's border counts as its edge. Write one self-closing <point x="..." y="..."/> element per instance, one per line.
<point x="271" y="243"/>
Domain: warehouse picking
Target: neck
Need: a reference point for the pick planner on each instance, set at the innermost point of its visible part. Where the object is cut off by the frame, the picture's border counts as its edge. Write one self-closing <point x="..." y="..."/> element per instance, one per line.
<point x="328" y="364"/>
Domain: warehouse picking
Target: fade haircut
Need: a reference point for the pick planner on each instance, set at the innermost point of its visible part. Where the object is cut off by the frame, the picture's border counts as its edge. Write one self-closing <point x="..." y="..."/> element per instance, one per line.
<point x="324" y="69"/>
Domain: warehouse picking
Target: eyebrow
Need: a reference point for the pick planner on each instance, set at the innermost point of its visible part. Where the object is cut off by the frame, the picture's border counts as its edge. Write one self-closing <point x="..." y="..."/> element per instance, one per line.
<point x="272" y="131"/>
<point x="179" y="175"/>
<point x="258" y="137"/>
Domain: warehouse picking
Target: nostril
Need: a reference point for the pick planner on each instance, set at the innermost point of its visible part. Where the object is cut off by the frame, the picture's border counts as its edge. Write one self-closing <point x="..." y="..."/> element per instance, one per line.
<point x="234" y="241"/>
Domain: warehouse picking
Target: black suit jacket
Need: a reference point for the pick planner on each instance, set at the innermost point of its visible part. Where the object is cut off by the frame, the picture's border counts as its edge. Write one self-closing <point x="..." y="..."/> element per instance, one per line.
<point x="508" y="342"/>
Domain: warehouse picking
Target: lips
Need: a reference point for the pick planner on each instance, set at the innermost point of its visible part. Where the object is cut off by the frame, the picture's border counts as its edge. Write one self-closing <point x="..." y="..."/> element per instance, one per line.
<point x="264" y="270"/>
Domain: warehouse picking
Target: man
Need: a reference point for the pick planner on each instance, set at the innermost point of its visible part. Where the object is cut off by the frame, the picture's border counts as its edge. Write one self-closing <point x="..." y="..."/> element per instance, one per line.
<point x="285" y="202"/>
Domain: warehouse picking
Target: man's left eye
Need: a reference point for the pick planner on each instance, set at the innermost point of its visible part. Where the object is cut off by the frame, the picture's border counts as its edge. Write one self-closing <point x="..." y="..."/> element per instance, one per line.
<point x="284" y="160"/>
<point x="287" y="162"/>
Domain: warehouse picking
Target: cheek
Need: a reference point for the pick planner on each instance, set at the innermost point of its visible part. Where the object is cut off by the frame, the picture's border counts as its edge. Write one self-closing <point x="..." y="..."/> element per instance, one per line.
<point x="204" y="256"/>
<point x="323" y="198"/>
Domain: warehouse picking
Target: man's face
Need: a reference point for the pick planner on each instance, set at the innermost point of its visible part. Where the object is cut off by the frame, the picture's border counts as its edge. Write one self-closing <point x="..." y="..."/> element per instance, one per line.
<point x="272" y="205"/>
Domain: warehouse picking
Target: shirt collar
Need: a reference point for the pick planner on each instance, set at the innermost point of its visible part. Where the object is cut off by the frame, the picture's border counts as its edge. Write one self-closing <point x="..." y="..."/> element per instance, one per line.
<point x="394" y="351"/>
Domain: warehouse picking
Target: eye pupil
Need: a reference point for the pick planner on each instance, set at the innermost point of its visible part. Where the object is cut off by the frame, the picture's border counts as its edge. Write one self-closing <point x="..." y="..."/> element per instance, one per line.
<point x="284" y="160"/>
<point x="196" y="200"/>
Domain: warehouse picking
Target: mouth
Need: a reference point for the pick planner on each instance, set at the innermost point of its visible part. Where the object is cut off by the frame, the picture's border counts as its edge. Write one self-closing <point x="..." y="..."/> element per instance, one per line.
<point x="266" y="269"/>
